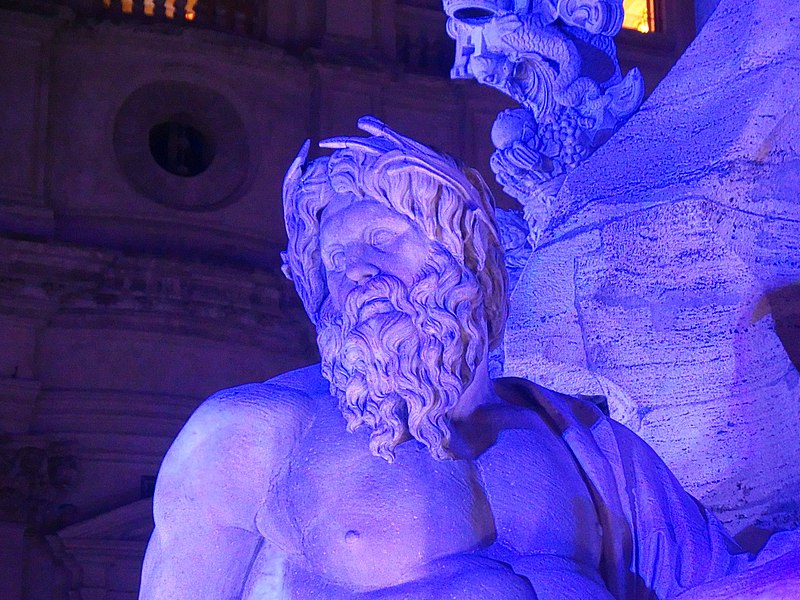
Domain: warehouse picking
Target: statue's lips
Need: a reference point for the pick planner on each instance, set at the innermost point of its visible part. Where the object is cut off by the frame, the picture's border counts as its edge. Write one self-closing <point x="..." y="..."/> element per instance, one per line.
<point x="375" y="307"/>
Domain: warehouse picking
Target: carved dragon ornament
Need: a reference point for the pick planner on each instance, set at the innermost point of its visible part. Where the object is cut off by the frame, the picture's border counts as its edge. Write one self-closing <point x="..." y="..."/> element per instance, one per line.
<point x="557" y="59"/>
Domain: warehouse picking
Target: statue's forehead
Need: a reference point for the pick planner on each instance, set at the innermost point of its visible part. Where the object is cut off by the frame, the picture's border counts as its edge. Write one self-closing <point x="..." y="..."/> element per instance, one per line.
<point x="353" y="212"/>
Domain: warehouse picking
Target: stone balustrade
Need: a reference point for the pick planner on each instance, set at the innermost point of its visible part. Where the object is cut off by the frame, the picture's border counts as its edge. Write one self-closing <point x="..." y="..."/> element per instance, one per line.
<point x="245" y="17"/>
<point x="422" y="47"/>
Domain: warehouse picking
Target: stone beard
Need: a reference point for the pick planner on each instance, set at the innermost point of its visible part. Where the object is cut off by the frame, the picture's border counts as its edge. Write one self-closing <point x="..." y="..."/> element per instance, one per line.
<point x="399" y="348"/>
<point x="398" y="358"/>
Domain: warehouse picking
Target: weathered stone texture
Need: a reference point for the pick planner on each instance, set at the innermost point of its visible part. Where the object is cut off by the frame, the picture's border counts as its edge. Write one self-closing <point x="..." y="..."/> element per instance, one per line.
<point x="677" y="279"/>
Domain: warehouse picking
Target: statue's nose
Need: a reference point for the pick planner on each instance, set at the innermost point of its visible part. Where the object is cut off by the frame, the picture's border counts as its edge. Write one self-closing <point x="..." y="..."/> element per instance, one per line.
<point x="359" y="270"/>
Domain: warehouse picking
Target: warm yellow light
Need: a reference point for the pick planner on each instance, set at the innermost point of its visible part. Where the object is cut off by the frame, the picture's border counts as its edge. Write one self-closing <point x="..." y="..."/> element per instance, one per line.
<point x="638" y="15"/>
<point x="149" y="7"/>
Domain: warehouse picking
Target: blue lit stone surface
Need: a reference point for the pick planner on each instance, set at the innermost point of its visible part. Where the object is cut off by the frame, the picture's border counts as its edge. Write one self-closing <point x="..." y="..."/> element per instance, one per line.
<point x="398" y="468"/>
<point x="674" y="289"/>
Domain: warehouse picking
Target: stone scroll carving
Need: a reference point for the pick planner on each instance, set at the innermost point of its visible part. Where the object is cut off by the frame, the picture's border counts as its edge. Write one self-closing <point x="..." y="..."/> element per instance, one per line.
<point x="558" y="61"/>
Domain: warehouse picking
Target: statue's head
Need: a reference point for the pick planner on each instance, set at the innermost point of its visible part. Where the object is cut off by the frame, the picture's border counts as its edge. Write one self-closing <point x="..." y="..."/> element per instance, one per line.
<point x="394" y="251"/>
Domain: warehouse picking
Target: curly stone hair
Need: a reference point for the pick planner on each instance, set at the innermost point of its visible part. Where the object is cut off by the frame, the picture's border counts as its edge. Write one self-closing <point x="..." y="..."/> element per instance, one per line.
<point x="448" y="201"/>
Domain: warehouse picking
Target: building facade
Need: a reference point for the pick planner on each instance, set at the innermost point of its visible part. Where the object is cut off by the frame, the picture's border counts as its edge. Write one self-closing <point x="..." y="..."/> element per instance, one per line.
<point x="143" y="148"/>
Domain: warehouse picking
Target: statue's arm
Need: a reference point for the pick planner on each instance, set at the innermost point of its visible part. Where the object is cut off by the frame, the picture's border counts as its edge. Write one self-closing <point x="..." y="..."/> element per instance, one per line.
<point x="214" y="481"/>
<point x="467" y="577"/>
<point x="471" y="577"/>
<point x="556" y="577"/>
<point x="777" y="578"/>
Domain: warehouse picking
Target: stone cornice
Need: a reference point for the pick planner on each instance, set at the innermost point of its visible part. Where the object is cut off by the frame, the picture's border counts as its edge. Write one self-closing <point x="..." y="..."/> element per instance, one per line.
<point x="46" y="280"/>
<point x="125" y="524"/>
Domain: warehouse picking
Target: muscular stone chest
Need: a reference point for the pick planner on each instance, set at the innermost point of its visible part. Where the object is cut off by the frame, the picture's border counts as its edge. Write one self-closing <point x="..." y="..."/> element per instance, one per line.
<point x="366" y="523"/>
<point x="540" y="503"/>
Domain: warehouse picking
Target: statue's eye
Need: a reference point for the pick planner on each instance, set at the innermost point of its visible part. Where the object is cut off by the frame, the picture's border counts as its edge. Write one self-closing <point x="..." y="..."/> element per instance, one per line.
<point x="336" y="260"/>
<point x="380" y="238"/>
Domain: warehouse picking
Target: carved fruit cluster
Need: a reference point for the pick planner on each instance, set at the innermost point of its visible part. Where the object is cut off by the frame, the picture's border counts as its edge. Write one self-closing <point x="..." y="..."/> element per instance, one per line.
<point x="563" y="141"/>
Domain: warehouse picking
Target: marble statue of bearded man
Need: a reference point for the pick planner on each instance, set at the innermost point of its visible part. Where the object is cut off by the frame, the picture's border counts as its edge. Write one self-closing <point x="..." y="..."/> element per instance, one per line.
<point x="397" y="468"/>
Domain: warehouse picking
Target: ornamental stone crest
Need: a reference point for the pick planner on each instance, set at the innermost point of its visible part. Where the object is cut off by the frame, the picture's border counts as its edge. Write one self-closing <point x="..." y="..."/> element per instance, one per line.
<point x="557" y="59"/>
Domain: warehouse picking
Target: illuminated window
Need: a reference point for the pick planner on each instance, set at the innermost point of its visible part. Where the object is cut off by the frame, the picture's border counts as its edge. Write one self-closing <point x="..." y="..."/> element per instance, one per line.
<point x="639" y="15"/>
<point x="150" y="9"/>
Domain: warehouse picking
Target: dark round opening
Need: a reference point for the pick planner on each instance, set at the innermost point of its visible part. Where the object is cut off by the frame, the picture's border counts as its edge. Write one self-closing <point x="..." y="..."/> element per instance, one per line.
<point x="180" y="149"/>
<point x="473" y="15"/>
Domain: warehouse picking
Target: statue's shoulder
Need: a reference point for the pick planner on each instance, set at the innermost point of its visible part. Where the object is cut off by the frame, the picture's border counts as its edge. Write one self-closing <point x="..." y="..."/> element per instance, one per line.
<point x="285" y="405"/>
<point x="235" y="447"/>
<point x="306" y="380"/>
<point x="299" y="389"/>
<point x="561" y="411"/>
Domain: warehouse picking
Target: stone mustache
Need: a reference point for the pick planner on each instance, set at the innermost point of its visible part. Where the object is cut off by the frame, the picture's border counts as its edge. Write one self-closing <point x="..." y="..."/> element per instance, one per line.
<point x="398" y="468"/>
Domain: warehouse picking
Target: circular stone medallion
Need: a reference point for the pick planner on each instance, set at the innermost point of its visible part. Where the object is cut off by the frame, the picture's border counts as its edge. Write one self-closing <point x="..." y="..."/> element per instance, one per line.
<point x="182" y="145"/>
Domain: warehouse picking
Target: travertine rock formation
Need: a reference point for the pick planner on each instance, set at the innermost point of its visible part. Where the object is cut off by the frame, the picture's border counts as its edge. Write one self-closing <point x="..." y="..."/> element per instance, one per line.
<point x="675" y="289"/>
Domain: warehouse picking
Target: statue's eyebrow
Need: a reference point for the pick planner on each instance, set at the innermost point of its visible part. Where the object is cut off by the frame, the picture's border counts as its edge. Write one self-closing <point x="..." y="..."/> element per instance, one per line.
<point x="327" y="249"/>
